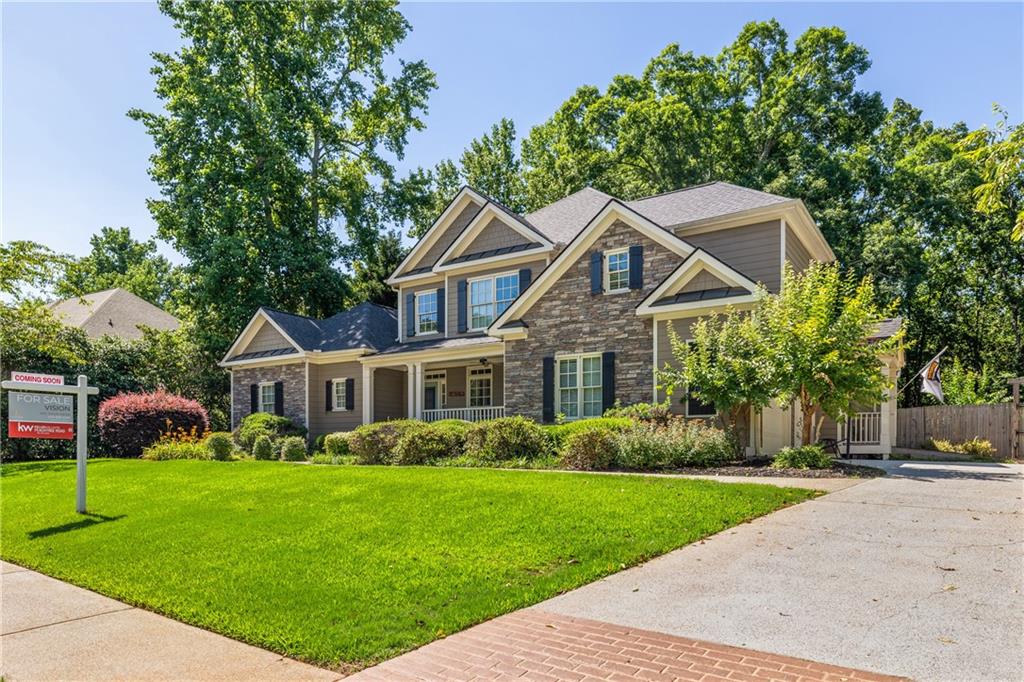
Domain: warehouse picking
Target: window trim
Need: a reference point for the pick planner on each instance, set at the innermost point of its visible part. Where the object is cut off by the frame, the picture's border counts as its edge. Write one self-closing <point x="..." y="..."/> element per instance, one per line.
<point x="490" y="385"/>
<point x="416" y="311"/>
<point x="273" y="396"/>
<point x="334" y="394"/>
<point x="578" y="357"/>
<point x="606" y="270"/>
<point x="494" y="297"/>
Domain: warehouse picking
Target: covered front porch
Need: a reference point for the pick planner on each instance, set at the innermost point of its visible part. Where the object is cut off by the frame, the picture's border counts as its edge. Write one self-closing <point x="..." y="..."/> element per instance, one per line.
<point x="448" y="379"/>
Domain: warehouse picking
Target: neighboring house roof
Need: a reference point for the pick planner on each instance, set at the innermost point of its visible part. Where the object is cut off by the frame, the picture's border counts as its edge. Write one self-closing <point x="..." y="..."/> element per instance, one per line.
<point x="113" y="312"/>
<point x="699" y="202"/>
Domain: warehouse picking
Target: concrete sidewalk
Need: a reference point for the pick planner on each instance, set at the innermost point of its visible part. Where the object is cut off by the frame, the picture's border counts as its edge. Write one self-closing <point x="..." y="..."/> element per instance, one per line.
<point x="55" y="631"/>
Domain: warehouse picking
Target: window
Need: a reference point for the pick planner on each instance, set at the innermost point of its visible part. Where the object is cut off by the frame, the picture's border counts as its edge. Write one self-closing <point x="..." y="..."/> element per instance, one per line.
<point x="426" y="312"/>
<point x="578" y="382"/>
<point x="480" y="386"/>
<point x="616" y="270"/>
<point x="338" y="386"/>
<point x="267" y="398"/>
<point x="489" y="297"/>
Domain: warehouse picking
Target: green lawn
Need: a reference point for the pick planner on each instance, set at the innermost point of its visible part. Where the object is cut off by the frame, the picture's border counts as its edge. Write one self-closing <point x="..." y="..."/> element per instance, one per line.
<point x="349" y="565"/>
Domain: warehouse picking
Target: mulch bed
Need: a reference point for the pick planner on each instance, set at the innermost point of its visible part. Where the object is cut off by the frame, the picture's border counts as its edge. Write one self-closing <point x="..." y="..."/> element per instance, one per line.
<point x="762" y="468"/>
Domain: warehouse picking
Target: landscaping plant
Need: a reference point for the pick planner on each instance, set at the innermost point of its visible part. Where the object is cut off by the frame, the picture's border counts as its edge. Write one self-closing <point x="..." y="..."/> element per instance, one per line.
<point x="975" y="447"/>
<point x="336" y="444"/>
<point x="507" y="438"/>
<point x="293" y="449"/>
<point x="435" y="441"/>
<point x="220" y="445"/>
<point x="589" y="450"/>
<point x="262" y="448"/>
<point x="656" y="413"/>
<point x="559" y="433"/>
<point x="803" y="457"/>
<point x="265" y="424"/>
<point x="130" y="422"/>
<point x="375" y="443"/>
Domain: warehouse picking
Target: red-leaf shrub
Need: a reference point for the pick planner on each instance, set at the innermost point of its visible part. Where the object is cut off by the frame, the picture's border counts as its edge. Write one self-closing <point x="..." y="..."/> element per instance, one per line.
<point x="129" y="422"/>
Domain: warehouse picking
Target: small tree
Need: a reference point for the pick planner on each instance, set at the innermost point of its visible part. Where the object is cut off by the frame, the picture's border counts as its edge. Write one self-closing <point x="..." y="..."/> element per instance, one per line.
<point x="818" y="331"/>
<point x="728" y="363"/>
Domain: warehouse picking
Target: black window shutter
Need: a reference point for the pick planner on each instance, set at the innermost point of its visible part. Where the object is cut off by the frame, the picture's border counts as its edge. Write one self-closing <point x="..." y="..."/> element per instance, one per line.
<point x="524" y="279"/>
<point x="279" y="398"/>
<point x="607" y="380"/>
<point x="596" y="276"/>
<point x="549" y="390"/>
<point x="461" y="301"/>
<point x="440" y="310"/>
<point x="636" y="267"/>
<point x="254" y="398"/>
<point x="329" y="396"/>
<point x="350" y="394"/>
<point x="410" y="314"/>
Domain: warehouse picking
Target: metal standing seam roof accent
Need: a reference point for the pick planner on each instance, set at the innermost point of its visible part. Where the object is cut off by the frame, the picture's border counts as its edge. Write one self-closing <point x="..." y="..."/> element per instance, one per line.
<point x="273" y="353"/>
<point x="702" y="295"/>
<point x="438" y="343"/>
<point x="493" y="252"/>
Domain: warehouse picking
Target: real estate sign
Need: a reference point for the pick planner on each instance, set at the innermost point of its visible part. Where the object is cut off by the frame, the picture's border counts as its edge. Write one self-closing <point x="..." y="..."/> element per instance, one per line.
<point x="40" y="415"/>
<point x="36" y="378"/>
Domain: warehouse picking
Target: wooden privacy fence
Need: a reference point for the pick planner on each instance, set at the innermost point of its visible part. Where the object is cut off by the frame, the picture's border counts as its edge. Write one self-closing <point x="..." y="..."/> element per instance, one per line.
<point x="915" y="425"/>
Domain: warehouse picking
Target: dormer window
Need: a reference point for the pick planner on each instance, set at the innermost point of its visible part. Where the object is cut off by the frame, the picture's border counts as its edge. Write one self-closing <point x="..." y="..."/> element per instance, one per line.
<point x="426" y="312"/>
<point x="616" y="271"/>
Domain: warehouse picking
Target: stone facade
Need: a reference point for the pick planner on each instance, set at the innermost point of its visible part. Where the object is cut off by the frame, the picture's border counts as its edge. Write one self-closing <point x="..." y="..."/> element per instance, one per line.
<point x="569" y="319"/>
<point x="292" y="374"/>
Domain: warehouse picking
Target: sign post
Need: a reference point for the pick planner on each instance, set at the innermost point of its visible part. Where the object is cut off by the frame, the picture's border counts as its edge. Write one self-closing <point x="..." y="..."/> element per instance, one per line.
<point x="44" y="415"/>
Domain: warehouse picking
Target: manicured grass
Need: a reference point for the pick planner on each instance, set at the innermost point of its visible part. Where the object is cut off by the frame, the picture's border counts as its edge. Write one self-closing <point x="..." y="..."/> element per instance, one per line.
<point x="349" y="565"/>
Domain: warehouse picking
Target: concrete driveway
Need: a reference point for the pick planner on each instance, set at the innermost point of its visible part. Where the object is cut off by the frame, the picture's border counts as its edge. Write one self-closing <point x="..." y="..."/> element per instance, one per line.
<point x="917" y="574"/>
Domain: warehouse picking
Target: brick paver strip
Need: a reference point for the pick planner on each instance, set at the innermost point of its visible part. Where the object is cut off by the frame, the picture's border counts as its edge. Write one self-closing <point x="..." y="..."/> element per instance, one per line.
<point x="536" y="645"/>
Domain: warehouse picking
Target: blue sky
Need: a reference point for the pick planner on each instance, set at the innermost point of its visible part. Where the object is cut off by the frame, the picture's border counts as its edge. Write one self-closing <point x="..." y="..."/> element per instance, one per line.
<point x="72" y="161"/>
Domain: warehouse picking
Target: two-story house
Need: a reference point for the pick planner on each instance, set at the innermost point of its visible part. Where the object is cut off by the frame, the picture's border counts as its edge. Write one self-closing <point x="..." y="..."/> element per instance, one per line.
<point x="562" y="311"/>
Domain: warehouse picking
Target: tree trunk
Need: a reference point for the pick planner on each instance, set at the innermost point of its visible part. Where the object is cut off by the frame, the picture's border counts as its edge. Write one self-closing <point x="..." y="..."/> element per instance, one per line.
<point x="807" y="408"/>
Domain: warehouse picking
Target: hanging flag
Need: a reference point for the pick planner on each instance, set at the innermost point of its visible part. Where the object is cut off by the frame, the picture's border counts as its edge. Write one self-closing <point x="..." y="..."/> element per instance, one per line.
<point x="931" y="378"/>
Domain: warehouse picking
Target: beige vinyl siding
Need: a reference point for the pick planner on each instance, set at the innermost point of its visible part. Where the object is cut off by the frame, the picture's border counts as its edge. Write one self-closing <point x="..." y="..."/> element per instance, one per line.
<point x="701" y="281"/>
<point x="682" y="327"/>
<point x="267" y="338"/>
<point x="445" y="240"/>
<point x="495" y="235"/>
<point x="796" y="253"/>
<point x="753" y="250"/>
<point x="402" y="292"/>
<point x="320" y="420"/>
<point x="452" y="304"/>
<point x="389" y="394"/>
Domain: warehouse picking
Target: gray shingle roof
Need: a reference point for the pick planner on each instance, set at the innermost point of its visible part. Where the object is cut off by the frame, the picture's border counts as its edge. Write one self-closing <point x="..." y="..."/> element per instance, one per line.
<point x="113" y="312"/>
<point x="367" y="325"/>
<point x="563" y="220"/>
<point x="702" y="201"/>
<point x="886" y="328"/>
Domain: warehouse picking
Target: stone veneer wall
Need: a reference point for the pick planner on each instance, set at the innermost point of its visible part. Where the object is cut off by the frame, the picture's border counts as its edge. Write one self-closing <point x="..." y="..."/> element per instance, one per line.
<point x="569" y="319"/>
<point x="294" y="377"/>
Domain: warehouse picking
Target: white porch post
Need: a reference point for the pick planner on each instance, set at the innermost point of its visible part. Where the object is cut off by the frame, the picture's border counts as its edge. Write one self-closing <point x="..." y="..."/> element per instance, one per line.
<point x="885" y="419"/>
<point x="419" y="389"/>
<point x="367" y="394"/>
<point x="410" y="384"/>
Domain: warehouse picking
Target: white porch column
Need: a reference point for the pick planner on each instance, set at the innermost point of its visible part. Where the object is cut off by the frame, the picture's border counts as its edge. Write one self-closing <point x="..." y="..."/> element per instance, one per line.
<point x="410" y="385"/>
<point x="419" y="389"/>
<point x="887" y="409"/>
<point x="367" y="394"/>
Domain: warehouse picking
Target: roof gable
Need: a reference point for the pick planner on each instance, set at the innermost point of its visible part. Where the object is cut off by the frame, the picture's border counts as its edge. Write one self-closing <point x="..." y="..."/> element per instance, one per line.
<point x="700" y="278"/>
<point x="439" y="236"/>
<point x="493" y="232"/>
<point x="614" y="211"/>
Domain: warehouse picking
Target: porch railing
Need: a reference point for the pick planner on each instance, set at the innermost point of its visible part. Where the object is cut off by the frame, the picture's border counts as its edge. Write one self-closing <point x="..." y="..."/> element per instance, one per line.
<point x="864" y="428"/>
<point x="470" y="414"/>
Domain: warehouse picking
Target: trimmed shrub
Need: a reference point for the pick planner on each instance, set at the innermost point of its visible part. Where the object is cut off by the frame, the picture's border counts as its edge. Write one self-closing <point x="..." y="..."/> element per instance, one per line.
<point x="130" y="422"/>
<point x="176" y="449"/>
<point x="559" y="433"/>
<point x="434" y="441"/>
<point x="655" y="413"/>
<point x="265" y="424"/>
<point x="335" y="444"/>
<point x="804" y="457"/>
<point x="507" y="438"/>
<point x="262" y="448"/>
<point x="589" y="450"/>
<point x="293" y="449"/>
<point x="680" y="444"/>
<point x="975" y="447"/>
<point x="644" y="447"/>
<point x="375" y="443"/>
<point x="220" y="445"/>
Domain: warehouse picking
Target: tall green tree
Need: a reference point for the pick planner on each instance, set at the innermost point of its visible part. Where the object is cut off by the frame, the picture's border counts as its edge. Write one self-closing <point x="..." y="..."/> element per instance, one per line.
<point x="279" y="123"/>
<point x="117" y="260"/>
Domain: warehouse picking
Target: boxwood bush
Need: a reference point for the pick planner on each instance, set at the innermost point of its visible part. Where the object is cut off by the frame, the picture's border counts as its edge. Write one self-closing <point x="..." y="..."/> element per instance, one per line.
<point x="220" y="445"/>
<point x="272" y="426"/>
<point x="130" y="422"/>
<point x="293" y="449"/>
<point x="262" y="448"/>
<point x="434" y="441"/>
<point x="375" y="443"/>
<point x="559" y="433"/>
<point x="336" y="444"/>
<point x="507" y="438"/>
